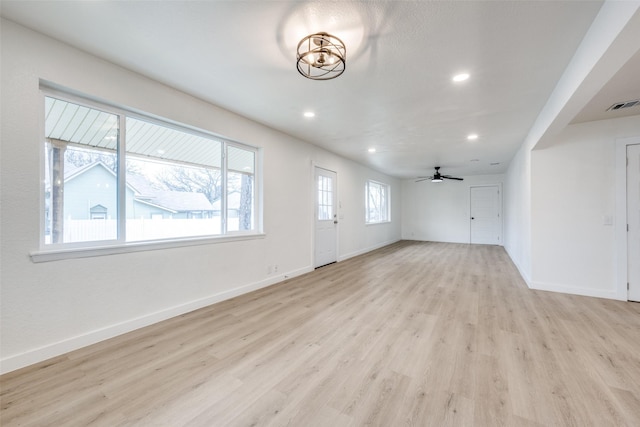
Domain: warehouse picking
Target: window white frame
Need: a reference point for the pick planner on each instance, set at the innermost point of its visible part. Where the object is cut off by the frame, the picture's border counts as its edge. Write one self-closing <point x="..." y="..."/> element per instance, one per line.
<point x="377" y="193"/>
<point x="50" y="252"/>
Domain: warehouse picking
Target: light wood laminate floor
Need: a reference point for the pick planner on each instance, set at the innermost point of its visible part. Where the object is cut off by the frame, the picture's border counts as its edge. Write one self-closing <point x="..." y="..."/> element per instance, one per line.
<point x="413" y="334"/>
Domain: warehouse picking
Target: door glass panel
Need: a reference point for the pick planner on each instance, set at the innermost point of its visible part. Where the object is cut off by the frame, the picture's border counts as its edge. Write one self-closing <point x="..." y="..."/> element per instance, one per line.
<point x="325" y="198"/>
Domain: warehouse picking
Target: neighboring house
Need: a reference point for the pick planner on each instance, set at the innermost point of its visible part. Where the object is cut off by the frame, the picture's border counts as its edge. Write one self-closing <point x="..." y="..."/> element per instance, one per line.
<point x="233" y="205"/>
<point x="90" y="193"/>
<point x="172" y="204"/>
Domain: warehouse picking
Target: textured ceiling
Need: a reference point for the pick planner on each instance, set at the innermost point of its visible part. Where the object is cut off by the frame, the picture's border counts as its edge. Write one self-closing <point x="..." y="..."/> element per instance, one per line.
<point x="396" y="94"/>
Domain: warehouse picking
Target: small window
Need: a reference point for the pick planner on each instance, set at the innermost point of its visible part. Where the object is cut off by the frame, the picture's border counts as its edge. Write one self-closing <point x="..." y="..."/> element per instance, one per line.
<point x="325" y="198"/>
<point x="116" y="177"/>
<point x="98" y="212"/>
<point x="376" y="202"/>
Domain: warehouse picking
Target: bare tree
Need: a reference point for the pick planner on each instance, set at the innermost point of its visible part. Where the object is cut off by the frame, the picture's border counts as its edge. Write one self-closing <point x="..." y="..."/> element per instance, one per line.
<point x="246" y="202"/>
<point x="81" y="157"/>
<point x="193" y="180"/>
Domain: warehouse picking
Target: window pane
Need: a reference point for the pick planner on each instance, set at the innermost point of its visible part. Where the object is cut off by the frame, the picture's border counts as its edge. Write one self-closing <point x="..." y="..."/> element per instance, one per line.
<point x="377" y="208"/>
<point x="173" y="183"/>
<point x="240" y="189"/>
<point x="81" y="202"/>
<point x="325" y="198"/>
<point x="176" y="182"/>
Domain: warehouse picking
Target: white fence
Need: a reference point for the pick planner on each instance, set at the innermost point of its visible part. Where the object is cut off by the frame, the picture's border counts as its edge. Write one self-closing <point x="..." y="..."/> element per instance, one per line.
<point x="86" y="230"/>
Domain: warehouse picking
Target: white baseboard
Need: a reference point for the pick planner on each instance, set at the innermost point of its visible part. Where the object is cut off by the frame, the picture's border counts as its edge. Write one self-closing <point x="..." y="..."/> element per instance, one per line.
<point x="523" y="273"/>
<point x="43" y="353"/>
<point x="364" y="251"/>
<point x="573" y="290"/>
<point x="564" y="289"/>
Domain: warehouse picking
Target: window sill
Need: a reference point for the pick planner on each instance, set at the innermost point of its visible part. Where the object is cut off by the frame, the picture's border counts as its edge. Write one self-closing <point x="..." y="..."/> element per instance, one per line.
<point x="94" y="251"/>
<point x="377" y="223"/>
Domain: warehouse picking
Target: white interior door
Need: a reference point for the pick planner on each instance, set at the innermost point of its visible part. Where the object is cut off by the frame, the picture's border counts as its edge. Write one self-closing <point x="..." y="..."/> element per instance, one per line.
<point x="486" y="217"/>
<point x="633" y="221"/>
<point x="326" y="217"/>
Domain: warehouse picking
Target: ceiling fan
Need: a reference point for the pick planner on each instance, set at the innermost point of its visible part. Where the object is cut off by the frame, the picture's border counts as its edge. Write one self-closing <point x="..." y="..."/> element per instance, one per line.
<point x="437" y="177"/>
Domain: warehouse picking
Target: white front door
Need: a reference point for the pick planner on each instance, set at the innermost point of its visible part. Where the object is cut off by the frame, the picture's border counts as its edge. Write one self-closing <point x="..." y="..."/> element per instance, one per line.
<point x="326" y="217"/>
<point x="633" y="221"/>
<point x="486" y="221"/>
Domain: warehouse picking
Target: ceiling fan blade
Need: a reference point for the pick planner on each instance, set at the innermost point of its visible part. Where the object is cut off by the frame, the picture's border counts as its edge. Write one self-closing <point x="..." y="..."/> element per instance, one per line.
<point x="452" y="177"/>
<point x="420" y="179"/>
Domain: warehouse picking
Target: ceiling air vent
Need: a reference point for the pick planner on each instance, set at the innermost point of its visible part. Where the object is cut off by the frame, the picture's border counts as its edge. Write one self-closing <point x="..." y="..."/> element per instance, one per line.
<point x="626" y="104"/>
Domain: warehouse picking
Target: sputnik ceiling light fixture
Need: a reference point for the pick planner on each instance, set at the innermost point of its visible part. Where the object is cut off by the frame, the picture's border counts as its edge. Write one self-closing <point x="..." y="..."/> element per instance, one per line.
<point x="321" y="56"/>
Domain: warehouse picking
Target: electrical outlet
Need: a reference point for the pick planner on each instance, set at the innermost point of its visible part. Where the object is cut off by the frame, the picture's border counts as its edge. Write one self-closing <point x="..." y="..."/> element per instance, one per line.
<point x="275" y="268"/>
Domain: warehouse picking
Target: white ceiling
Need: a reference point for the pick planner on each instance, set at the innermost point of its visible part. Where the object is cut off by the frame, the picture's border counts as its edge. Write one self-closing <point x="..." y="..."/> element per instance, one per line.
<point x="624" y="86"/>
<point x="396" y="94"/>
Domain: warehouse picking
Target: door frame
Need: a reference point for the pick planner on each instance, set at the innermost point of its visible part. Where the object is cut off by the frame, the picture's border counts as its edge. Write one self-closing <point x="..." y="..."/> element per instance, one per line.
<point x="622" y="257"/>
<point x="314" y="197"/>
<point x="500" y="208"/>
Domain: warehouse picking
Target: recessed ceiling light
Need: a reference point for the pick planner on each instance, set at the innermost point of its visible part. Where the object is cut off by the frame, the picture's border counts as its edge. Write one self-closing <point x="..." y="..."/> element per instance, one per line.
<point x="472" y="136"/>
<point x="460" y="77"/>
<point x="309" y="114"/>
<point x="371" y="150"/>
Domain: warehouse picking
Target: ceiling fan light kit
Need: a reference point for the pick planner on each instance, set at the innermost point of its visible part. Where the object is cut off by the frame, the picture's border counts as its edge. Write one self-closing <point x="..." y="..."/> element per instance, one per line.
<point x="321" y="56"/>
<point x="438" y="177"/>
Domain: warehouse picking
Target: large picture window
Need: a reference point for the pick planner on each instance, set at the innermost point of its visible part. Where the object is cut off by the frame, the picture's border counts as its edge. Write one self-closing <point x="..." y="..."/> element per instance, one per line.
<point x="376" y="202"/>
<point x="112" y="177"/>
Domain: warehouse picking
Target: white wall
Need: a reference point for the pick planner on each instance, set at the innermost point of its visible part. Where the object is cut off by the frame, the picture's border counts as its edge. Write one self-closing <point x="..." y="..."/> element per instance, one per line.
<point x="439" y="212"/>
<point x="517" y="211"/>
<point x="573" y="198"/>
<point x="53" y="307"/>
<point x="609" y="43"/>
